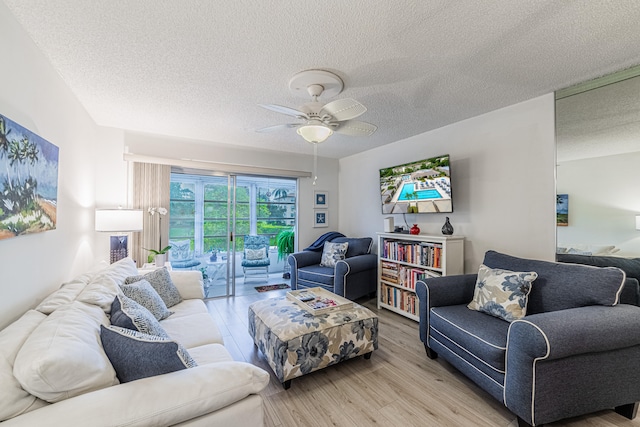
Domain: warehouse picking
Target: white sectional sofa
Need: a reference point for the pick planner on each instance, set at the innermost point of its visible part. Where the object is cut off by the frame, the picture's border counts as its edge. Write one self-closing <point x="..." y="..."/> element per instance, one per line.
<point x="55" y="372"/>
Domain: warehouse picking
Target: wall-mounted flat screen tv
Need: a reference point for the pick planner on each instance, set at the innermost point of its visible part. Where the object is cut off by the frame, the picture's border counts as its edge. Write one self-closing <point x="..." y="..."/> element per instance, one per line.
<point x="418" y="187"/>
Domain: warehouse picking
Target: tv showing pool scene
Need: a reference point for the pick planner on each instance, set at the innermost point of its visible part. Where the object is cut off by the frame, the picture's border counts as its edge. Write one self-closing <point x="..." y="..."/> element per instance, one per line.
<point x="418" y="187"/>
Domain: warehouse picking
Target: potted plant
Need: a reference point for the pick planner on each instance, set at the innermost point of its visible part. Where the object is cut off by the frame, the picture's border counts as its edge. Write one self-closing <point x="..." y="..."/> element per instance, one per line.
<point x="160" y="257"/>
<point x="284" y="243"/>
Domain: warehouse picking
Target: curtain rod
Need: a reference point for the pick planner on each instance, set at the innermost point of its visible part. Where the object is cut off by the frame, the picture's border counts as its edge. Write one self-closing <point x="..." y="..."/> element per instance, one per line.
<point x="218" y="167"/>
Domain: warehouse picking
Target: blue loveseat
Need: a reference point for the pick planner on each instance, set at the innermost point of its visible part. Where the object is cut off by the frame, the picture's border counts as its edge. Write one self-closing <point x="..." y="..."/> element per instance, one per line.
<point x="576" y="351"/>
<point x="353" y="278"/>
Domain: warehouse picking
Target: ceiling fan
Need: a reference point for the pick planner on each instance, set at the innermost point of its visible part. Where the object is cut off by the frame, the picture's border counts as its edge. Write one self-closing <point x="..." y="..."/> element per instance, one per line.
<point x="319" y="120"/>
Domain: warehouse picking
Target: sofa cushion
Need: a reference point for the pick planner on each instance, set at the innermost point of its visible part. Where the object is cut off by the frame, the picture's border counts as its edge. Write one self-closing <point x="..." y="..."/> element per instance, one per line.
<point x="143" y="293"/>
<point x="161" y="281"/>
<point x="561" y="286"/>
<point x="502" y="293"/>
<point x="15" y="400"/>
<point x="332" y="253"/>
<point x="135" y="355"/>
<point x="63" y="356"/>
<point x="188" y="307"/>
<point x="105" y="284"/>
<point x="210" y="353"/>
<point x="357" y="245"/>
<point x="66" y="294"/>
<point x="476" y="337"/>
<point x="127" y="313"/>
<point x="194" y="330"/>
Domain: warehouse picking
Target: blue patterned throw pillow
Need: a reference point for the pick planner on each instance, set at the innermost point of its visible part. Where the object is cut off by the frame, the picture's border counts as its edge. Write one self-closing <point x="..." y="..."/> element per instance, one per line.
<point x="144" y="294"/>
<point x="161" y="281"/>
<point x="127" y="313"/>
<point x="502" y="293"/>
<point x="332" y="253"/>
<point x="135" y="355"/>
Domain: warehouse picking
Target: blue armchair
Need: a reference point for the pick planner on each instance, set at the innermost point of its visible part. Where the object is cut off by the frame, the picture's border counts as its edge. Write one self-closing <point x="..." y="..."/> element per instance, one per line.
<point x="255" y="255"/>
<point x="353" y="277"/>
<point x="181" y="256"/>
<point x="575" y="351"/>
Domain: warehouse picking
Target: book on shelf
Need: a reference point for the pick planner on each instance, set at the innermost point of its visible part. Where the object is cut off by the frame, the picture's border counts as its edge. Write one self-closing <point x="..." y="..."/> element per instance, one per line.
<point x="420" y="253"/>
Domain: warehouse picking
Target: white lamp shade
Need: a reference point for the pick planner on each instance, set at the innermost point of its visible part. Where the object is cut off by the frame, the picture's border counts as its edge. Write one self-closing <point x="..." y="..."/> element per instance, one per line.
<point x="119" y="220"/>
<point x="637" y="222"/>
<point x="315" y="133"/>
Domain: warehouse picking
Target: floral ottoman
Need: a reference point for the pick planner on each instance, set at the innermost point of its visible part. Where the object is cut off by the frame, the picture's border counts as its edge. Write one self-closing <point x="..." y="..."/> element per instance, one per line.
<point x="296" y="342"/>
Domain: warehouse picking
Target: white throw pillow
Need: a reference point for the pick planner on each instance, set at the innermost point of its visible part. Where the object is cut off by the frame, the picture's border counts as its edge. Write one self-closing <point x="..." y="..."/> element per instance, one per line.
<point x="332" y="253"/>
<point x="63" y="357"/>
<point x="254" y="254"/>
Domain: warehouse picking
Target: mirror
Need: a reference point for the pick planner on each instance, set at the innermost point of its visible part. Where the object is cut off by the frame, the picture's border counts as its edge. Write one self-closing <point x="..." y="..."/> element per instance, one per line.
<point x="598" y="166"/>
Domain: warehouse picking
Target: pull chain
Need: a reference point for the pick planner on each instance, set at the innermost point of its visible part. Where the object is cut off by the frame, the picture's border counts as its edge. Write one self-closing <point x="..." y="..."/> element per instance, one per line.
<point x="315" y="163"/>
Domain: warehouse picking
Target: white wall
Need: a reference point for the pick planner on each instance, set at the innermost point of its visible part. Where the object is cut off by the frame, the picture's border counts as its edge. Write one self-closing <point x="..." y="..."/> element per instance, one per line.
<point x="33" y="95"/>
<point x="603" y="202"/>
<point x="167" y="147"/>
<point x="502" y="177"/>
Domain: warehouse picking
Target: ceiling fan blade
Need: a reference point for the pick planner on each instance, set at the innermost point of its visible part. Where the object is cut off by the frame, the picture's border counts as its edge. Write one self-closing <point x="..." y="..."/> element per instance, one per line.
<point x="284" y="110"/>
<point x="344" y="109"/>
<point x="355" y="128"/>
<point x="278" y="127"/>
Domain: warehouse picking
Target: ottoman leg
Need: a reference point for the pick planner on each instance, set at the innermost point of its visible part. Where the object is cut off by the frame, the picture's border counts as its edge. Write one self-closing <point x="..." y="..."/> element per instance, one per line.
<point x="368" y="355"/>
<point x="286" y="384"/>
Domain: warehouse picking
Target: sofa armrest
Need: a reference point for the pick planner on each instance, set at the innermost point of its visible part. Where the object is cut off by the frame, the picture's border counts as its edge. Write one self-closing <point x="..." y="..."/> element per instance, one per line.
<point x="189" y="283"/>
<point x="442" y="291"/>
<point x="161" y="400"/>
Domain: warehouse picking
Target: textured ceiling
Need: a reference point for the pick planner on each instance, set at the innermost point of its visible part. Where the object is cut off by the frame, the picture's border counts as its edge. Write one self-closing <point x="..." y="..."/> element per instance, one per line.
<point x="601" y="122"/>
<point x="197" y="69"/>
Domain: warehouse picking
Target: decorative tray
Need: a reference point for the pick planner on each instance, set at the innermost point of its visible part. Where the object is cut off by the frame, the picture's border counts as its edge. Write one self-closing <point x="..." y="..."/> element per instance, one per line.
<point x="318" y="300"/>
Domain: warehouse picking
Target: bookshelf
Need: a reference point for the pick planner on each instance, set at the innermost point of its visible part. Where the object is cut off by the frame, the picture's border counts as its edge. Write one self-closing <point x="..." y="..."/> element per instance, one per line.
<point x="403" y="259"/>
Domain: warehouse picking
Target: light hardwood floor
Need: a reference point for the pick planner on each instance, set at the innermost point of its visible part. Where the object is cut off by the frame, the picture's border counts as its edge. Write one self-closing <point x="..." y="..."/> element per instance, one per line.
<point x="398" y="386"/>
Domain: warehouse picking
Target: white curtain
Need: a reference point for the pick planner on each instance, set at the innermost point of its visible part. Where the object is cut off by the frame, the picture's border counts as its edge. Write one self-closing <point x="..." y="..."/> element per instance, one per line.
<point x="151" y="189"/>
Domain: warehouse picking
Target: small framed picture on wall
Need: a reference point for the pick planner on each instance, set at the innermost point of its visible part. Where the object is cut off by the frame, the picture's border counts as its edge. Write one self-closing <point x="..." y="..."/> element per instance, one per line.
<point x="320" y="219"/>
<point x="562" y="210"/>
<point x="320" y="199"/>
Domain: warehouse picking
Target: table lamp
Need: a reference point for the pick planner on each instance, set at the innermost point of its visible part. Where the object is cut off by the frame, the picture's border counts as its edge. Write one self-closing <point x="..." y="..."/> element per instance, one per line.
<point x="119" y="221"/>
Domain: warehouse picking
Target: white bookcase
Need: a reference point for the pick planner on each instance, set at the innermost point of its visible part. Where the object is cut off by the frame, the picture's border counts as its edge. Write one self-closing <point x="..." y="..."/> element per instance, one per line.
<point x="403" y="259"/>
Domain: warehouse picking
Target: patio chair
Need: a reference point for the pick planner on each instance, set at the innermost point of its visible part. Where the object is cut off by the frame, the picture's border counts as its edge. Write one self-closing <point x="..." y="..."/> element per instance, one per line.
<point x="255" y="256"/>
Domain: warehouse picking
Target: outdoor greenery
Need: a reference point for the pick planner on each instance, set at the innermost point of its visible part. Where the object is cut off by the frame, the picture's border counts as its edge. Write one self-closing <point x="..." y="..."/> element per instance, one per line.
<point x="273" y="214"/>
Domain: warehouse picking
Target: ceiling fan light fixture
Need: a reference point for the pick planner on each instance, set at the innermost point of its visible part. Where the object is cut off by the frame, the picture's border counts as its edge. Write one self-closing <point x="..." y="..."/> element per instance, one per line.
<point x="314" y="133"/>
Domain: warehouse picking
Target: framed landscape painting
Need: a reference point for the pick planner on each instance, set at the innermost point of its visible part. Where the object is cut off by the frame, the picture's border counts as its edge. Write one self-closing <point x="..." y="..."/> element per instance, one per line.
<point x="28" y="181"/>
<point x="562" y="210"/>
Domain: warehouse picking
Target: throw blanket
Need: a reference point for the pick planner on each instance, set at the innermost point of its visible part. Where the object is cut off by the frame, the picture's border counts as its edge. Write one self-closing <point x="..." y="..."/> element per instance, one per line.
<point x="326" y="237"/>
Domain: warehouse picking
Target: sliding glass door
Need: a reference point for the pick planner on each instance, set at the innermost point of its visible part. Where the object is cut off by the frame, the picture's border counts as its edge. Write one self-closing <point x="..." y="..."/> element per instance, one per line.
<point x="210" y="217"/>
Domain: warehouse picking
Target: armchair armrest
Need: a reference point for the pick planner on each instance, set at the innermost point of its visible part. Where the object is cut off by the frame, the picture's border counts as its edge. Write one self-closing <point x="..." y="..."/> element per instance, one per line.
<point x="303" y="259"/>
<point x="299" y="260"/>
<point x="563" y="333"/>
<point x="441" y="291"/>
<point x="569" y="353"/>
<point x="164" y="400"/>
<point x="356" y="264"/>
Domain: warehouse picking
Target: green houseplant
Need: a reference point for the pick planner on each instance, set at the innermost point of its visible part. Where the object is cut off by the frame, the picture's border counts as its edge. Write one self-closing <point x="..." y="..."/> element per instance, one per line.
<point x="284" y="242"/>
